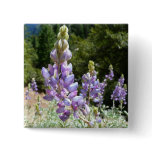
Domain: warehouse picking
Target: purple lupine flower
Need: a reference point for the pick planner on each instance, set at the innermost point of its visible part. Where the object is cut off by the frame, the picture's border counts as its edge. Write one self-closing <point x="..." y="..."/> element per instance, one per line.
<point x="65" y="115"/>
<point x="27" y="97"/>
<point x="123" y="95"/>
<point x="116" y="93"/>
<point x="120" y="91"/>
<point x="91" y="87"/>
<point x="34" y="85"/>
<point x="59" y="78"/>
<point x="31" y="87"/>
<point x="61" y="107"/>
<point x="98" y="120"/>
<point x="121" y="80"/>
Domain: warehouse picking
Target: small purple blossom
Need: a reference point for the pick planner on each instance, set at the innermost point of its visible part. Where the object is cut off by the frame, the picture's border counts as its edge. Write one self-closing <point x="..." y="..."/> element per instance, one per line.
<point x="65" y="115"/>
<point x="61" y="107"/>
<point x="31" y="87"/>
<point x="27" y="97"/>
<point x="34" y="85"/>
<point x="66" y="56"/>
<point x="121" y="80"/>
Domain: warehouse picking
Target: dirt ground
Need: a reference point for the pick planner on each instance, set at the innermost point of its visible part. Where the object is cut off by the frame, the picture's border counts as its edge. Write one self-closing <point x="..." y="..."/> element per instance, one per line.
<point x="33" y="100"/>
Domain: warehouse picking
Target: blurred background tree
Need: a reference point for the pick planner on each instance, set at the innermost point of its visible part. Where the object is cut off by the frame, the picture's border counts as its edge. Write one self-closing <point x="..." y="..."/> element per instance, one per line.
<point x="105" y="44"/>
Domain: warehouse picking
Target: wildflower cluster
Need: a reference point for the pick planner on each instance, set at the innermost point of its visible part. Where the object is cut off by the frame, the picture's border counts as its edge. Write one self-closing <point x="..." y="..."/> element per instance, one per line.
<point x="120" y="91"/>
<point x="32" y="87"/>
<point x="60" y="85"/>
<point x="92" y="88"/>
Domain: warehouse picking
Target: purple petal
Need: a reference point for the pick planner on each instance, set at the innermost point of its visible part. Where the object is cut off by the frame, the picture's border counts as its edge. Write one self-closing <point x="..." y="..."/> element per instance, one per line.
<point x="96" y="100"/>
<point x="73" y="87"/>
<point x="74" y="105"/>
<point x="63" y="117"/>
<point x="48" y="98"/>
<point x="66" y="55"/>
<point x="70" y="68"/>
<point x="53" y="81"/>
<point x="79" y="100"/>
<point x="51" y="70"/>
<point x="53" y="55"/>
<point x="72" y="94"/>
<point x="69" y="79"/>
<point x="75" y="114"/>
<point x="60" y="110"/>
<point x="98" y="120"/>
<point x="67" y="102"/>
<point x="50" y="92"/>
<point x="45" y="73"/>
<point x="67" y="112"/>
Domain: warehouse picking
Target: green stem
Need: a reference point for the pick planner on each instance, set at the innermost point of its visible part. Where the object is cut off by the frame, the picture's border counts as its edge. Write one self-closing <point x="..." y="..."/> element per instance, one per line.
<point x="86" y="121"/>
<point x="113" y="106"/>
<point x="121" y="102"/>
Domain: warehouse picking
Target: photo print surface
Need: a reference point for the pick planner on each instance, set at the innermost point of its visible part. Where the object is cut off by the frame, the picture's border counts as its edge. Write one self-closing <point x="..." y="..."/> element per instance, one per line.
<point x="76" y="75"/>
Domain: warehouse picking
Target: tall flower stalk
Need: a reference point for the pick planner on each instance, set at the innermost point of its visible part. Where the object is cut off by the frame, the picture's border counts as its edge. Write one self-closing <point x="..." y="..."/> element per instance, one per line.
<point x="59" y="80"/>
<point x="92" y="89"/>
<point x="119" y="93"/>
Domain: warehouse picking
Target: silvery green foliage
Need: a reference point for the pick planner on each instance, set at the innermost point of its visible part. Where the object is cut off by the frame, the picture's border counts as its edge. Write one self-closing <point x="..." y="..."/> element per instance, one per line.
<point x="49" y="119"/>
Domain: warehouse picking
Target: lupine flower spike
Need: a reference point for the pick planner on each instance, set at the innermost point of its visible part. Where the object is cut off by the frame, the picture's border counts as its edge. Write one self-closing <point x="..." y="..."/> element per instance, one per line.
<point x="92" y="89"/>
<point x="59" y="79"/>
<point x="120" y="92"/>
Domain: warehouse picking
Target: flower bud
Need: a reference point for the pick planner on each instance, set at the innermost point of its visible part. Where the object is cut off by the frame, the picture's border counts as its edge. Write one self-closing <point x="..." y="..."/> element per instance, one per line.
<point x="33" y="79"/>
<point x="91" y="66"/>
<point x="66" y="36"/>
<point x="63" y="33"/>
<point x="63" y="29"/>
<point x="29" y="86"/>
<point x="95" y="110"/>
<point x="122" y="76"/>
<point x="59" y="45"/>
<point x="110" y="67"/>
<point x="64" y="44"/>
<point x="125" y="86"/>
<point x="59" y="36"/>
